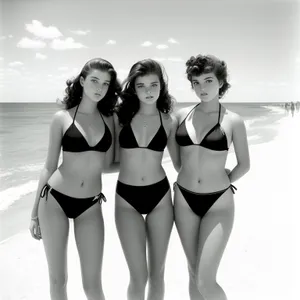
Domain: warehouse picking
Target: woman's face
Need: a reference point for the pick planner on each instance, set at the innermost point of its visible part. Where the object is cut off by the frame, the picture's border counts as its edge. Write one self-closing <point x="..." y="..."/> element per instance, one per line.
<point x="206" y="86"/>
<point x="147" y="88"/>
<point x="96" y="84"/>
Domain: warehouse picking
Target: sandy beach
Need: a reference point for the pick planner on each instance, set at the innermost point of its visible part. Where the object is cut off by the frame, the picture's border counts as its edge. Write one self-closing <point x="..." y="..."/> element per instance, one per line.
<point x="260" y="261"/>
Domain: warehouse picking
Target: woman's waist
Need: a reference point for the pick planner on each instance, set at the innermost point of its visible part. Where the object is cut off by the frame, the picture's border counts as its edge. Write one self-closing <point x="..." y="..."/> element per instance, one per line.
<point x="83" y="164"/>
<point x="141" y="157"/>
<point x="203" y="169"/>
<point x="203" y="183"/>
<point x="141" y="168"/>
<point x="204" y="162"/>
<point x="75" y="185"/>
<point x="141" y="177"/>
<point x="88" y="171"/>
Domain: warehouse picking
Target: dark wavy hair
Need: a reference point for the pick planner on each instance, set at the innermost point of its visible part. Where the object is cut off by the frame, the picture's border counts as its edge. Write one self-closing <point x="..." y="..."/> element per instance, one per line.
<point x="202" y="64"/>
<point x="74" y="89"/>
<point x="130" y="104"/>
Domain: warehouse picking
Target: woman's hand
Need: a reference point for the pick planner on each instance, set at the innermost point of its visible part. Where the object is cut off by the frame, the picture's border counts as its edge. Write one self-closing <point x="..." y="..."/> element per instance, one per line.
<point x="34" y="229"/>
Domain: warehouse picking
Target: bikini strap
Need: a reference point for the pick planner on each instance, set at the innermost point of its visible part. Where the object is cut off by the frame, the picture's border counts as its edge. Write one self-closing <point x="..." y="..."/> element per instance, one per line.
<point x="102" y="119"/>
<point x="190" y="112"/>
<point x="193" y="108"/>
<point x="219" y="113"/>
<point x="161" y="122"/>
<point x="233" y="188"/>
<point x="75" y="113"/>
<point x="45" y="190"/>
<point x="100" y="198"/>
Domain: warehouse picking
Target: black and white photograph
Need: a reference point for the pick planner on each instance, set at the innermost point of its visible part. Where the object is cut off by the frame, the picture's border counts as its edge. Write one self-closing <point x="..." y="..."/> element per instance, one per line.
<point x="149" y="149"/>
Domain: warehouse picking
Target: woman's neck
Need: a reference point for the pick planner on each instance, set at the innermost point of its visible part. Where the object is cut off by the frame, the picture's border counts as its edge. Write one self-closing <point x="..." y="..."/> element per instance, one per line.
<point x="147" y="109"/>
<point x="211" y="106"/>
<point x="86" y="106"/>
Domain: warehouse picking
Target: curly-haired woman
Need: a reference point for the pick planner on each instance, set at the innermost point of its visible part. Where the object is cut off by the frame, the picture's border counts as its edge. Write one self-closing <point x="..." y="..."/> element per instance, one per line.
<point x="85" y="132"/>
<point x="203" y="193"/>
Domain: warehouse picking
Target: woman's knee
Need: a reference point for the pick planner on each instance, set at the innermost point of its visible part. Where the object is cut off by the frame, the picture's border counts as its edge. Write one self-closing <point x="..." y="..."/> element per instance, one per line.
<point x="139" y="280"/>
<point x="92" y="289"/>
<point x="92" y="285"/>
<point x="206" y="285"/>
<point x="58" y="281"/>
<point x="157" y="277"/>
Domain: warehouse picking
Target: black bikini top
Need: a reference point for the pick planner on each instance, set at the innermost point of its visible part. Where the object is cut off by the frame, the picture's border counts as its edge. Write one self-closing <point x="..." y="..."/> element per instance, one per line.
<point x="74" y="141"/>
<point x="215" y="139"/>
<point x="127" y="138"/>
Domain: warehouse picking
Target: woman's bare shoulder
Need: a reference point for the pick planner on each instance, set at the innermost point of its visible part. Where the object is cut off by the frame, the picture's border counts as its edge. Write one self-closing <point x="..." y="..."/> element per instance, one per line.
<point x="234" y="118"/>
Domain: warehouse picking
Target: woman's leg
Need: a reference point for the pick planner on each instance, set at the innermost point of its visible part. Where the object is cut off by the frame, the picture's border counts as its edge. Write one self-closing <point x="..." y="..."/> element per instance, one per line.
<point x="187" y="224"/>
<point x="55" y="230"/>
<point x="159" y="226"/>
<point x="132" y="233"/>
<point x="89" y="235"/>
<point x="215" y="229"/>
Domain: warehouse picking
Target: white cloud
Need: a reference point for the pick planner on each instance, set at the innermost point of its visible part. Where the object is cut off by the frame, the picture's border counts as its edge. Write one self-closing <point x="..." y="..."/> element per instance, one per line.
<point x="159" y="58"/>
<point x="10" y="36"/>
<point x="111" y="42"/>
<point x="50" y="75"/>
<point x="68" y="43"/>
<point x="162" y="47"/>
<point x="40" y="56"/>
<point x="63" y="68"/>
<point x="15" y="64"/>
<point x="146" y="44"/>
<point x="176" y="59"/>
<point x="298" y="60"/>
<point x="172" y="41"/>
<point x="283" y="83"/>
<point x="31" y="44"/>
<point x="39" y="30"/>
<point x="30" y="78"/>
<point x="11" y="71"/>
<point x="1" y="58"/>
<point x="80" y="32"/>
<point x="258" y="82"/>
<point x="69" y="74"/>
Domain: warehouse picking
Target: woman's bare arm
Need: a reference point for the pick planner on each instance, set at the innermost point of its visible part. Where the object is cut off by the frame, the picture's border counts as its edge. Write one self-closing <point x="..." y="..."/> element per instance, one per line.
<point x="240" y="143"/>
<point x="114" y="166"/>
<point x="172" y="145"/>
<point x="54" y="147"/>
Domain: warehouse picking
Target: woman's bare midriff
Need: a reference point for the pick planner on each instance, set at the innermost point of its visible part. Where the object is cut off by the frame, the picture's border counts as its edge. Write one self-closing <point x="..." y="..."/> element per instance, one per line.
<point x="140" y="166"/>
<point x="203" y="170"/>
<point x="79" y="175"/>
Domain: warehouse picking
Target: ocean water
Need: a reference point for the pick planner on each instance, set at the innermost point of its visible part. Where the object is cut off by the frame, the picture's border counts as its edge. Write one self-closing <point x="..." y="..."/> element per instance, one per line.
<point x="24" y="129"/>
